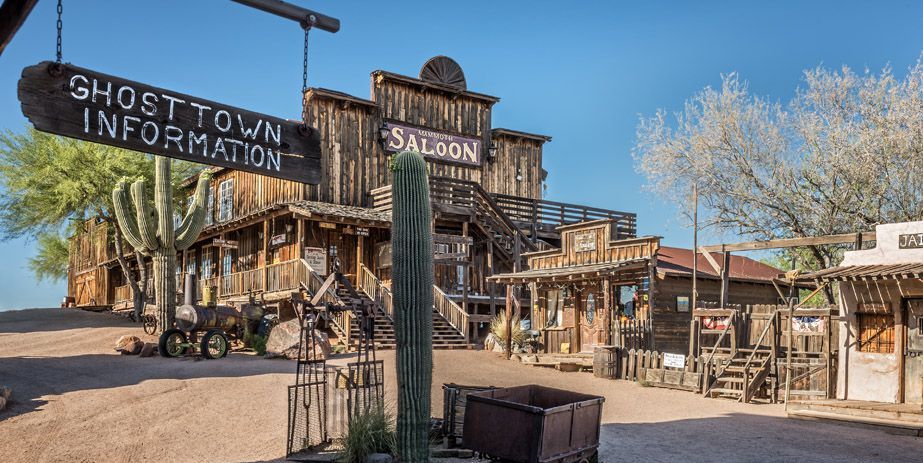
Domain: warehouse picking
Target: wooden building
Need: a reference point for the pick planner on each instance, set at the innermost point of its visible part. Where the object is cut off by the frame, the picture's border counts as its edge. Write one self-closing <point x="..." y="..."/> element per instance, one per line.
<point x="267" y="236"/>
<point x="603" y="289"/>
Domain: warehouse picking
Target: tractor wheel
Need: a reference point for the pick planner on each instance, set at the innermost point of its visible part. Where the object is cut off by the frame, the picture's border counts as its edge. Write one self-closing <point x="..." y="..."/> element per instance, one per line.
<point x="172" y="343"/>
<point x="214" y="344"/>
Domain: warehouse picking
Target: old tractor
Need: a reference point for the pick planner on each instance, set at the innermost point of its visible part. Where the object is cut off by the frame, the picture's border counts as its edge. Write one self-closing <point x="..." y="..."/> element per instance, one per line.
<point x="217" y="324"/>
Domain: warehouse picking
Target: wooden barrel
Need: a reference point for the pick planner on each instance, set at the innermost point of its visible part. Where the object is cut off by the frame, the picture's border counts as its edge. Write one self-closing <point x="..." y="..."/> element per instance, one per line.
<point x="605" y="362"/>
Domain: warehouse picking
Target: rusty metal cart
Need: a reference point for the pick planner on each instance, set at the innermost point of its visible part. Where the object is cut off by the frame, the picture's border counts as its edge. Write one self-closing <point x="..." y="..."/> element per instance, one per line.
<point x="533" y="424"/>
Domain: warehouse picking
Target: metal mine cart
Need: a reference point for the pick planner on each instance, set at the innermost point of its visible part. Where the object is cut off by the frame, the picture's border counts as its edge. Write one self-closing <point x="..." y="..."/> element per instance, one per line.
<point x="533" y="424"/>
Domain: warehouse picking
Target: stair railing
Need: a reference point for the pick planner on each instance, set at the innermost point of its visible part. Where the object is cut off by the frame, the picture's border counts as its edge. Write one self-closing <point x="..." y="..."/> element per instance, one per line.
<point x="375" y="289"/>
<point x="707" y="378"/>
<point x="451" y="311"/>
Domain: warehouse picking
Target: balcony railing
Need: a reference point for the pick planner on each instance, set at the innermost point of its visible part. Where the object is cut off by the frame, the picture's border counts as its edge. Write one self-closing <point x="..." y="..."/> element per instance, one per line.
<point x="528" y="214"/>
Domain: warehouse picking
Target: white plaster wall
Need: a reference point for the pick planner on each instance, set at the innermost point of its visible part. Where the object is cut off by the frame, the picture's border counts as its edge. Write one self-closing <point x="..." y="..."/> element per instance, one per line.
<point x="886" y="249"/>
<point x="864" y="375"/>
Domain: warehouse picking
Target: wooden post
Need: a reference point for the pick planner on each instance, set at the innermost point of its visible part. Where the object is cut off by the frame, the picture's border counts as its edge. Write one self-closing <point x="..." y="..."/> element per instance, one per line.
<point x="220" y="272"/>
<point x="466" y="270"/>
<point x="299" y="238"/>
<point x="360" y="250"/>
<point x="490" y="271"/>
<point x="509" y="321"/>
<point x="788" y="357"/>
<point x="607" y="305"/>
<point x="695" y="249"/>
<point x="266" y="254"/>
<point x="725" y="278"/>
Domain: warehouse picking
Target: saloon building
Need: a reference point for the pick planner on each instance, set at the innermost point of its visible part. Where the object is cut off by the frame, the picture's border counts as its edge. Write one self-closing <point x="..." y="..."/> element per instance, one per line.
<point x="267" y="236"/>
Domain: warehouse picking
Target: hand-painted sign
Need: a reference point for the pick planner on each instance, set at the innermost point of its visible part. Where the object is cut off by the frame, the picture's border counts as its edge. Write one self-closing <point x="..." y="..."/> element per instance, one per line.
<point x="910" y="241"/>
<point x="674" y="360"/>
<point x="278" y="240"/>
<point x="80" y="103"/>
<point x="223" y="243"/>
<point x="433" y="145"/>
<point x="585" y="241"/>
<point x="317" y="259"/>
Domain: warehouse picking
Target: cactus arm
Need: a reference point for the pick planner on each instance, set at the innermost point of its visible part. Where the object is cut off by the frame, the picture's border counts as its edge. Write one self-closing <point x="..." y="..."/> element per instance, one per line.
<point x="163" y="201"/>
<point x="145" y="219"/>
<point x="194" y="221"/>
<point x="123" y="216"/>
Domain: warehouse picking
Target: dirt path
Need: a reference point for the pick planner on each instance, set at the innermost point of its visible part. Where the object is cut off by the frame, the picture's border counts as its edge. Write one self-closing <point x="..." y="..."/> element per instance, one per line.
<point x="77" y="400"/>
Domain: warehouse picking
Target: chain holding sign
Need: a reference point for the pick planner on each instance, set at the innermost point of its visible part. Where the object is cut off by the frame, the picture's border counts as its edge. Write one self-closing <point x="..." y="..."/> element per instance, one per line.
<point x="80" y="103"/>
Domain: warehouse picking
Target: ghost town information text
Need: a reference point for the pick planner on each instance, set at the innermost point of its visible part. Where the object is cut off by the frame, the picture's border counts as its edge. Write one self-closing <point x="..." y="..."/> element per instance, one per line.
<point x="80" y="103"/>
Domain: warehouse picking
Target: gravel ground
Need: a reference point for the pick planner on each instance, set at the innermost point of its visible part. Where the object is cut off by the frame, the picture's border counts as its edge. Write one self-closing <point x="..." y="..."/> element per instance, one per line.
<point x="75" y="399"/>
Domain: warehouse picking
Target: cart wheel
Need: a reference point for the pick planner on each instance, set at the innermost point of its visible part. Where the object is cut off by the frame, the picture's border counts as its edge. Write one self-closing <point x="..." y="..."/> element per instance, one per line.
<point x="172" y="343"/>
<point x="150" y="324"/>
<point x="214" y="344"/>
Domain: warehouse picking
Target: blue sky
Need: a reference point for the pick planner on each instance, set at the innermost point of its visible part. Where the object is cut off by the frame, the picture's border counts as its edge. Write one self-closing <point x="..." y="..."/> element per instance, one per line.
<point x="581" y="72"/>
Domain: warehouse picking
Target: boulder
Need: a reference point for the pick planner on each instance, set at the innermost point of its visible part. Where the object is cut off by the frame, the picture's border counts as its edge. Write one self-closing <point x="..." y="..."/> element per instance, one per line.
<point x="149" y="349"/>
<point x="6" y="392"/>
<point x="284" y="339"/>
<point x="129" y="345"/>
<point x="2" y="403"/>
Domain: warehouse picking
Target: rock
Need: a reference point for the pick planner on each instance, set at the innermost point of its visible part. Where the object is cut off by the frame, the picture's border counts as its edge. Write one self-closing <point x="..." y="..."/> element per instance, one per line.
<point x="284" y="338"/>
<point x="6" y="392"/>
<point x="149" y="349"/>
<point x="2" y="403"/>
<point x="129" y="345"/>
<point x="379" y="458"/>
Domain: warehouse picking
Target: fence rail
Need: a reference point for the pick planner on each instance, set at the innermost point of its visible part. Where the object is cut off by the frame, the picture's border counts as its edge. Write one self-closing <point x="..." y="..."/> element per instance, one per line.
<point x="375" y="289"/>
<point x="633" y="334"/>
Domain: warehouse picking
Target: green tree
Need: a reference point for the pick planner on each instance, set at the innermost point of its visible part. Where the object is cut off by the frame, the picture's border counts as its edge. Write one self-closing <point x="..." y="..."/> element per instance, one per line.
<point x="49" y="184"/>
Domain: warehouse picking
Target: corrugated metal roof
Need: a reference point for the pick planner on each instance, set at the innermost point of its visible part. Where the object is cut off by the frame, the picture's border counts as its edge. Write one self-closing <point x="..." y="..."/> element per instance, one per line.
<point x="678" y="261"/>
<point x="866" y="272"/>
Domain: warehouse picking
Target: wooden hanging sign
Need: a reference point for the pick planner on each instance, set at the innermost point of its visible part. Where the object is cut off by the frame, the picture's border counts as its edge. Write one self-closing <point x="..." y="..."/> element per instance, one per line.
<point x="80" y="103"/>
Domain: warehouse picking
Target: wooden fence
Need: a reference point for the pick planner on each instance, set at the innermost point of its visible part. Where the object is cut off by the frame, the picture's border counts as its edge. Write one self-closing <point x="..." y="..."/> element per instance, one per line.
<point x="632" y="334"/>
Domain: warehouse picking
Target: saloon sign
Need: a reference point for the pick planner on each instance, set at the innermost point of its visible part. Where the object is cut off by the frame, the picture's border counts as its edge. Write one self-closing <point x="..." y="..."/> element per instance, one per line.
<point x="67" y="100"/>
<point x="434" y="145"/>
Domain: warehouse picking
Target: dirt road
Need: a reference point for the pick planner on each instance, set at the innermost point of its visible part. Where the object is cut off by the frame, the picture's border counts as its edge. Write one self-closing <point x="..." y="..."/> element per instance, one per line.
<point x="77" y="400"/>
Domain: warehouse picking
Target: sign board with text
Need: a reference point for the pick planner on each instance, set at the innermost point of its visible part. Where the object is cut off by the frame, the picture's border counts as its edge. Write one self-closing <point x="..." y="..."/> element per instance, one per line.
<point x="317" y="259"/>
<point x="437" y="146"/>
<point x="80" y="103"/>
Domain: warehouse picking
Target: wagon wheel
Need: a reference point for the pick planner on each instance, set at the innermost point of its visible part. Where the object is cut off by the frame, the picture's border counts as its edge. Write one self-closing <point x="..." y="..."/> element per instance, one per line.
<point x="150" y="323"/>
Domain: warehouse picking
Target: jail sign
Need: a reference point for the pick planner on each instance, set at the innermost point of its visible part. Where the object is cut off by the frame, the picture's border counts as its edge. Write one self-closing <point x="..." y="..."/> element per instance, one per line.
<point x="74" y="102"/>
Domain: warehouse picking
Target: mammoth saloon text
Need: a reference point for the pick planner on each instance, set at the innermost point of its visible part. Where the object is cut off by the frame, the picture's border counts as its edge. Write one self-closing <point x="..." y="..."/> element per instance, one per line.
<point x="253" y="144"/>
<point x="67" y="100"/>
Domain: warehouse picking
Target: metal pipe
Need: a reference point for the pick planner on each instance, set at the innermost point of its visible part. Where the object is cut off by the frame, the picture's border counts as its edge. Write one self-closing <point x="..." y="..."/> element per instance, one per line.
<point x="305" y="17"/>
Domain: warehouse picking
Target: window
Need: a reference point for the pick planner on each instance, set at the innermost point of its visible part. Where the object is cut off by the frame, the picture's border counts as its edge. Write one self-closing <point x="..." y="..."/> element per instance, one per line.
<point x="590" y="308"/>
<point x="682" y="303"/>
<point x="207" y="269"/>
<point x="210" y="207"/>
<point x="226" y="263"/>
<point x="225" y="200"/>
<point x="876" y="332"/>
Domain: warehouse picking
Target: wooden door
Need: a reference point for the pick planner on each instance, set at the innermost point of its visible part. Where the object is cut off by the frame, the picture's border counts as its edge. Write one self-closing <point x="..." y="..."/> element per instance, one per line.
<point x="913" y="351"/>
<point x="591" y="321"/>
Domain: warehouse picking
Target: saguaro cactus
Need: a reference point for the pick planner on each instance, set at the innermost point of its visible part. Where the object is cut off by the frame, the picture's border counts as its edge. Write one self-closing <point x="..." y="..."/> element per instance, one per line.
<point x="412" y="255"/>
<point x="152" y="232"/>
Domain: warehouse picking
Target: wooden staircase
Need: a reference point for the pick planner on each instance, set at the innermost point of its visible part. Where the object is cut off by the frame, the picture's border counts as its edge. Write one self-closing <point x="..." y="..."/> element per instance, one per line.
<point x="446" y="334"/>
<point x="746" y="373"/>
<point x="742" y="377"/>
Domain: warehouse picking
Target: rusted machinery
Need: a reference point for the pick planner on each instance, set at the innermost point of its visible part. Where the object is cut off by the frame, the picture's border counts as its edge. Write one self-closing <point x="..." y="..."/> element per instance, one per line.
<point x="220" y="324"/>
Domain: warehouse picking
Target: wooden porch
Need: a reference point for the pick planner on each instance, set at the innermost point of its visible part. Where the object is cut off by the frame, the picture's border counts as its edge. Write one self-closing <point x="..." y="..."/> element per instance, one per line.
<point x="893" y="418"/>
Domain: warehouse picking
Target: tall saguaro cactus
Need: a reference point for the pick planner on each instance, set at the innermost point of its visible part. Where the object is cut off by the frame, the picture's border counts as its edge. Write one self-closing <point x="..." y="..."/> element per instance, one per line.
<point x="152" y="232"/>
<point x="412" y="256"/>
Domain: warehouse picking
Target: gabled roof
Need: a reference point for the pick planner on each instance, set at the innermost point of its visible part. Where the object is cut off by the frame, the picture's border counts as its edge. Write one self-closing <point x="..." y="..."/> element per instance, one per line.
<point x="678" y="261"/>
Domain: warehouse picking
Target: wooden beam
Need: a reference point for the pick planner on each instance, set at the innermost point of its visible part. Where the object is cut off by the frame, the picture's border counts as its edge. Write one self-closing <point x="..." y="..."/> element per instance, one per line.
<point x="725" y="278"/>
<point x="12" y="14"/>
<point x="509" y="321"/>
<point x="711" y="260"/>
<point x="846" y="238"/>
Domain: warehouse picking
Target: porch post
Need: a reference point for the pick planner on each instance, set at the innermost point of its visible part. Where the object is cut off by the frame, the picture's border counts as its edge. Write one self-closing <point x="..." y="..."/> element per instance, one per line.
<point x="265" y="254"/>
<point x="607" y="304"/>
<point x="725" y="277"/>
<point x="509" y="321"/>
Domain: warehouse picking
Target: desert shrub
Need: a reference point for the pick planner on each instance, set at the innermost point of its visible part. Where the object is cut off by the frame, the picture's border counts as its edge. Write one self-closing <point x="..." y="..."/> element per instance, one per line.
<point x="498" y="328"/>
<point x="256" y="342"/>
<point x="369" y="432"/>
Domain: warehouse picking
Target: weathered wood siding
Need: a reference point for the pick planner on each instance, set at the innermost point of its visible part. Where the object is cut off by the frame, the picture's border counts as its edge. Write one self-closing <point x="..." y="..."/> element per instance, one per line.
<point x="515" y="155"/>
<point x="87" y="277"/>
<point x="605" y="250"/>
